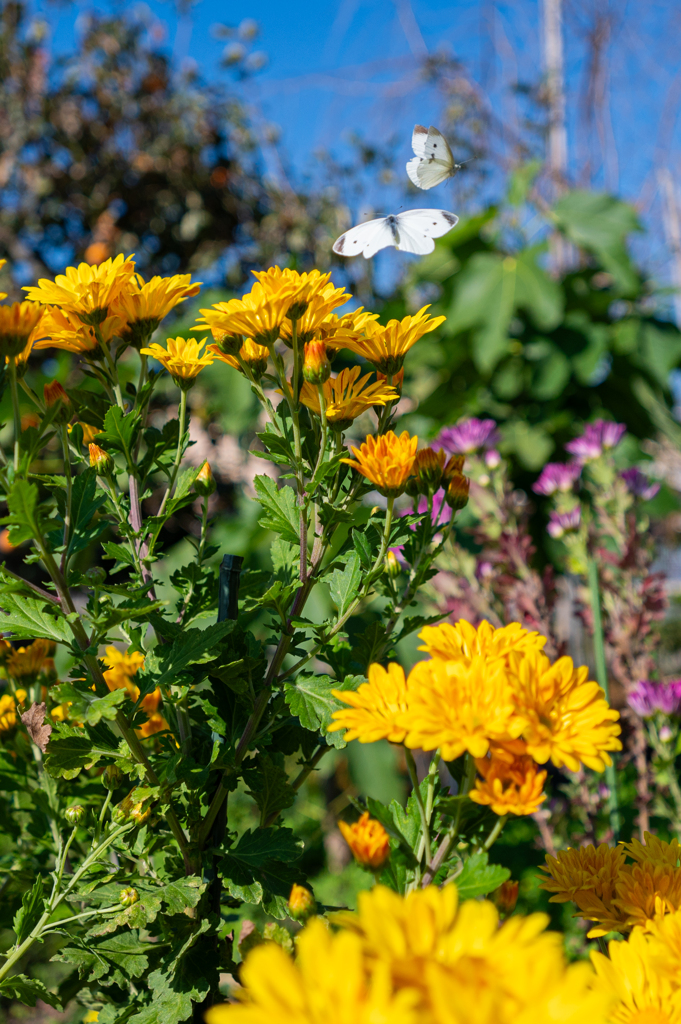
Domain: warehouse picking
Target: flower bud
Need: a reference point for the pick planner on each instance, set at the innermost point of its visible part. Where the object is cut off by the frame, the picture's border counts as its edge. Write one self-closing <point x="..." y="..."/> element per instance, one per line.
<point x="119" y="815"/>
<point x="301" y="903"/>
<point x="454" y="465"/>
<point x="74" y="815"/>
<point x="100" y="460"/>
<point x="54" y="394"/>
<point x="391" y="566"/>
<point x="229" y="344"/>
<point x="428" y="467"/>
<point x="204" y="484"/>
<point x="316" y="367"/>
<point x="95" y="575"/>
<point x="134" y="808"/>
<point x="412" y="487"/>
<point x="368" y="841"/>
<point x="127" y="897"/>
<point x="506" y="896"/>
<point x="111" y="777"/>
<point x="457" y="491"/>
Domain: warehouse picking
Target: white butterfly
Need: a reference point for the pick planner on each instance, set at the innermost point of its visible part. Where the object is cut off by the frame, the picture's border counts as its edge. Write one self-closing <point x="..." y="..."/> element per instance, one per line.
<point x="434" y="162"/>
<point x="411" y="231"/>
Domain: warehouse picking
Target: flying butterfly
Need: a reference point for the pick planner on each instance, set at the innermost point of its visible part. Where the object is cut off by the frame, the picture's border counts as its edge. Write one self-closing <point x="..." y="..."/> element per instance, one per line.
<point x="434" y="161"/>
<point x="411" y="231"/>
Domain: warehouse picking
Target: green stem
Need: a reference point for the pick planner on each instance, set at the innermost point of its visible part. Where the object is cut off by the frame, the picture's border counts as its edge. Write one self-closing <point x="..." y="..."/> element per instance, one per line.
<point x="178" y="453"/>
<point x="15" y="410"/>
<point x="112" y="369"/>
<point x="496" y="832"/>
<point x="425" y="828"/>
<point x="102" y="815"/>
<point x="204" y="530"/>
<point x="32" y="395"/>
<point x="69" y="492"/>
<point x="602" y="678"/>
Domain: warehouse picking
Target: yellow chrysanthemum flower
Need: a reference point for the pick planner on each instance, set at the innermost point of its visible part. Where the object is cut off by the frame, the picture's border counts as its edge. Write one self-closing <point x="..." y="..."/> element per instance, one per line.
<point x="258" y="315"/>
<point x="327" y="984"/>
<point x="8" y="713"/>
<point x="3" y="295"/>
<point x="86" y="290"/>
<point x="18" y="323"/>
<point x="647" y="891"/>
<point x="60" y="329"/>
<point x="664" y="938"/>
<point x="374" y="707"/>
<point x="654" y="851"/>
<point x="567" y="719"/>
<point x="386" y="347"/>
<point x="631" y="978"/>
<point x="142" y="305"/>
<point x="26" y="663"/>
<point x="386" y="461"/>
<point x="255" y="357"/>
<point x="335" y="330"/>
<point x="368" y="841"/>
<point x="347" y="397"/>
<point x="182" y="358"/>
<point x="512" y="784"/>
<point x="462" y="641"/>
<point x="459" y="707"/>
<point x="318" y="308"/>
<point x="122" y="667"/>
<point x="585" y="869"/>
<point x="302" y="288"/>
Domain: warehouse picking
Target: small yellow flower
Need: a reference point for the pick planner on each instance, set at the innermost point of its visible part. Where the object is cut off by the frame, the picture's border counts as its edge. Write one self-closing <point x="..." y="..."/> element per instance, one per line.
<point x="18" y="323"/>
<point x="654" y="851"/>
<point x="386" y="347"/>
<point x="463" y="641"/>
<point x="182" y="358"/>
<point x="122" y="667"/>
<point x="506" y="896"/>
<point x="512" y="785"/>
<point x="374" y="708"/>
<point x="456" y="494"/>
<point x="255" y="357"/>
<point x="91" y="1017"/>
<point x="8" y="713"/>
<point x="347" y="397"/>
<point x="368" y="841"/>
<point x="87" y="291"/>
<point x="257" y="315"/>
<point x="386" y="461"/>
<point x="204" y="484"/>
<point x="318" y="308"/>
<point x="301" y="903"/>
<point x="61" y="329"/>
<point x="155" y="723"/>
<point x="142" y="305"/>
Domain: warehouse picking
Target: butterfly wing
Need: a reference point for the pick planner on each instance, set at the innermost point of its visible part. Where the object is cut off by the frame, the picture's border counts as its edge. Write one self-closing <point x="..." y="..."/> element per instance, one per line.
<point x="418" y="144"/>
<point x="418" y="228"/>
<point x="438" y="162"/>
<point x="365" y="238"/>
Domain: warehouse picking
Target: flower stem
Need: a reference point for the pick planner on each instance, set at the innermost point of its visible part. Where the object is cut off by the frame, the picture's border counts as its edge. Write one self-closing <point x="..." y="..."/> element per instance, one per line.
<point x="602" y="678"/>
<point x="425" y="827"/>
<point x="178" y="454"/>
<point x="15" y="409"/>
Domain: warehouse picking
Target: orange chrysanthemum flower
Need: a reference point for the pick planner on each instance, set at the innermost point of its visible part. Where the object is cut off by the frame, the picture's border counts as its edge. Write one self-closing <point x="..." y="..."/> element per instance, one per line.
<point x="88" y="291"/>
<point x="347" y="397"/>
<point x="17" y="325"/>
<point x="182" y="358"/>
<point x="386" y="461"/>
<point x="463" y="641"/>
<point x="375" y="707"/>
<point x="368" y="841"/>
<point x="60" y="329"/>
<point x="142" y="305"/>
<point x="386" y="347"/>
<point x="512" y="785"/>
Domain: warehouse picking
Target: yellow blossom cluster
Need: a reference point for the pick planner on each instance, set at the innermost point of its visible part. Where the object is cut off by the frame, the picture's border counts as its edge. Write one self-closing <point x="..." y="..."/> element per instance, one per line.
<point x="418" y="959"/>
<point x="122" y="667"/>
<point x="612" y="892"/>
<point x="494" y="694"/>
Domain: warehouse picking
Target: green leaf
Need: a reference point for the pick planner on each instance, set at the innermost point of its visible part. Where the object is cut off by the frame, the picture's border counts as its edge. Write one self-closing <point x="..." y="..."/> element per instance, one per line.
<point x="29" y="618"/>
<point x="87" y="706"/>
<point x="31" y="911"/>
<point x="344" y="584"/>
<point x="255" y="848"/>
<point x="66" y="756"/>
<point x="600" y="223"/>
<point x="193" y="647"/>
<point x="175" y="897"/>
<point x="484" y="298"/>
<point x="22" y="502"/>
<point x="110" y="960"/>
<point x="310" y="698"/>
<point x="478" y="877"/>
<point x="536" y="292"/>
<point x="369" y="647"/>
<point x="28" y="991"/>
<point x="269" y="787"/>
<point x="119" y="430"/>
<point x="281" y="513"/>
<point x="84" y="503"/>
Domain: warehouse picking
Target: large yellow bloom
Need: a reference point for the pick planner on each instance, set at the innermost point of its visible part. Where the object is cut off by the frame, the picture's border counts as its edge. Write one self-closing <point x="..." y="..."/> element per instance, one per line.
<point x="303" y="290"/>
<point x="182" y="358"/>
<point x="86" y="290"/>
<point x="567" y="718"/>
<point x="459" y="707"/>
<point x="631" y="977"/>
<point x="141" y="306"/>
<point x="386" y="461"/>
<point x="346" y="397"/>
<point x="462" y="641"/>
<point x="335" y="330"/>
<point x="375" y="707"/>
<point x="60" y="329"/>
<point x="258" y="315"/>
<point x="512" y="783"/>
<point x="318" y="309"/>
<point x="18" y="323"/>
<point x="386" y="347"/>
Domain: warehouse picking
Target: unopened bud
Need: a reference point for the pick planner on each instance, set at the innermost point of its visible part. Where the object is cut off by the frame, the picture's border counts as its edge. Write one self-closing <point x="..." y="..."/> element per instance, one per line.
<point x="457" y="491"/>
<point x="119" y="815"/>
<point x="127" y="897"/>
<point x="301" y="903"/>
<point x="454" y="466"/>
<point x="506" y="896"/>
<point x="428" y="467"/>
<point x="112" y="777"/>
<point x="204" y="484"/>
<point x="229" y="344"/>
<point x="412" y="487"/>
<point x="54" y="394"/>
<point x="74" y="815"/>
<point x="391" y="566"/>
<point x="95" y="576"/>
<point x="100" y="460"/>
<point x="316" y="367"/>
<point x="492" y="458"/>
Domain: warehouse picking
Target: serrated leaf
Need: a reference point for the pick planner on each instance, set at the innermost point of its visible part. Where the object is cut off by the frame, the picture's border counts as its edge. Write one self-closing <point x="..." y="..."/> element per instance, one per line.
<point x="478" y="877"/>
<point x="369" y="647"/>
<point x="363" y="548"/>
<point x="110" y="960"/>
<point x="280" y="509"/>
<point x="84" y="504"/>
<point x="344" y="584"/>
<point x="27" y="917"/>
<point x="28" y="991"/>
<point x="22" y="502"/>
<point x="192" y="647"/>
<point x="269" y="787"/>
<point x="66" y="756"/>
<point x="86" y="706"/>
<point x="310" y="698"/>
<point x="119" y="430"/>
<point x="29" y="618"/>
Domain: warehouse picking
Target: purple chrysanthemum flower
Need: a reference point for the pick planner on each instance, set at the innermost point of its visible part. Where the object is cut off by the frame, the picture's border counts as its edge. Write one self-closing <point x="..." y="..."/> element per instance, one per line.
<point x="639" y="484"/>
<point x="564" y="522"/>
<point x="557" y="476"/>
<point x="597" y="438"/>
<point x="650" y="698"/>
<point x="467" y="437"/>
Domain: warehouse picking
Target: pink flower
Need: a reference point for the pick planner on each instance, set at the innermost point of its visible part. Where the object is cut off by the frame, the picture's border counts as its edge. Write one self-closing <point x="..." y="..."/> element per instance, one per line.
<point x="638" y="484"/>
<point x="467" y="437"/>
<point x="596" y="439"/>
<point x="649" y="698"/>
<point x="438" y="516"/>
<point x="564" y="522"/>
<point x="557" y="476"/>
